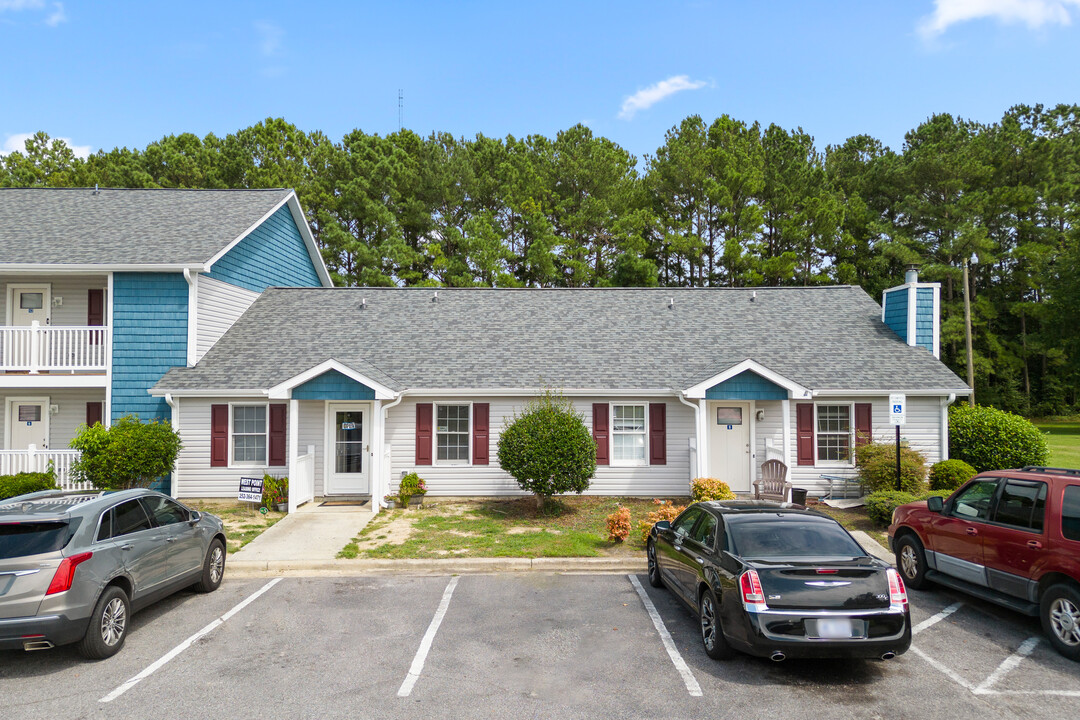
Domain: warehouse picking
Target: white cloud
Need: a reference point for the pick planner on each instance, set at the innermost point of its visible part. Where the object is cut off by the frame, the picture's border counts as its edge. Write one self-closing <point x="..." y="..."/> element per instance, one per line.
<point x="17" y="143"/>
<point x="1033" y="13"/>
<point x="646" y="98"/>
<point x="57" y="16"/>
<point x="270" y="37"/>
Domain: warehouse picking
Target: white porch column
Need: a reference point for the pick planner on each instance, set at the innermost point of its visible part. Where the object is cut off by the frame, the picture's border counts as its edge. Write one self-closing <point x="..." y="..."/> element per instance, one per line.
<point x="785" y="409"/>
<point x="377" y="483"/>
<point x="703" y="438"/>
<point x="106" y="419"/>
<point x="294" y="446"/>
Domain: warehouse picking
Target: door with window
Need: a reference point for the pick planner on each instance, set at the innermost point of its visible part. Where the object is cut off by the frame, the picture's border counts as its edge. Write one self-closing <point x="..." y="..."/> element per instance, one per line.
<point x="349" y="456"/>
<point x="1015" y="541"/>
<point x="29" y="423"/>
<point x="958" y="534"/>
<point x="26" y="304"/>
<point x="729" y="443"/>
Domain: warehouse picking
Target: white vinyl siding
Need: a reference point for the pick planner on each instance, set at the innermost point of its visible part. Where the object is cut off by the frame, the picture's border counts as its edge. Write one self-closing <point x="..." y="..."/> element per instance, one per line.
<point x="218" y="306"/>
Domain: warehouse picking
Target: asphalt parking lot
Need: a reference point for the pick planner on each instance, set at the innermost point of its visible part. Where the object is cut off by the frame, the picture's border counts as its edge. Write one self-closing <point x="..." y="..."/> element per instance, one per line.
<point x="520" y="646"/>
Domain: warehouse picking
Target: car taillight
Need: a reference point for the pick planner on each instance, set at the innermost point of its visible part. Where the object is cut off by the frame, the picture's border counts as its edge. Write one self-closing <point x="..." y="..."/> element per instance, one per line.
<point x="752" y="596"/>
<point x="61" y="581"/>
<point x="897" y="591"/>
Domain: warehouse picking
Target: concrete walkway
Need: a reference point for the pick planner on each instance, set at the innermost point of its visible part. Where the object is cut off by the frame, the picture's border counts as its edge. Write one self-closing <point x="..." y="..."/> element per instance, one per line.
<point x="315" y="533"/>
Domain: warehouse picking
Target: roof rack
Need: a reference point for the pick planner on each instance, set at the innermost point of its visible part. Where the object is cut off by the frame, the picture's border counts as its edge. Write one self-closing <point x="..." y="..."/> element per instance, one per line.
<point x="49" y="494"/>
<point x="1051" y="470"/>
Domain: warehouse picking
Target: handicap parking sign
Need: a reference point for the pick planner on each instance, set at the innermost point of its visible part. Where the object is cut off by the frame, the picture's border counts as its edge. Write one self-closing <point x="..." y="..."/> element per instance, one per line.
<point x="897" y="409"/>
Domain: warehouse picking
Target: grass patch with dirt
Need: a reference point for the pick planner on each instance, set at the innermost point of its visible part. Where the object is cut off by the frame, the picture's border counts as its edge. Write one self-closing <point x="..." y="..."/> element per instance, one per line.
<point x="243" y="523"/>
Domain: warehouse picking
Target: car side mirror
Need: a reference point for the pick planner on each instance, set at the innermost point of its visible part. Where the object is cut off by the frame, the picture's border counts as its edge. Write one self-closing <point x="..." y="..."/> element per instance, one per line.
<point x="935" y="503"/>
<point x="663" y="525"/>
<point x="194" y="517"/>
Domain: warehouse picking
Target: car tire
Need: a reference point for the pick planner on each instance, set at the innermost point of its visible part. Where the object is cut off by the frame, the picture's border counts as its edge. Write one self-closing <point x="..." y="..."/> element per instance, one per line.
<point x="654" y="568"/>
<point x="712" y="632"/>
<point x="911" y="562"/>
<point x="213" y="568"/>
<point x="1059" y="609"/>
<point x="108" y="625"/>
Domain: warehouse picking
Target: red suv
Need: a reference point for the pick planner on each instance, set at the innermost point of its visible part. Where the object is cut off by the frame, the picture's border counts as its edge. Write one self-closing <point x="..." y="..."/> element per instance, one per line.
<point x="1008" y="536"/>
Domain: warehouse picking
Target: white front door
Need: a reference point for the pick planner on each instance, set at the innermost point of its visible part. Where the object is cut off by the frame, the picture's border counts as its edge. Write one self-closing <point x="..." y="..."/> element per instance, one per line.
<point x="729" y="443"/>
<point x="349" y="454"/>
<point x="29" y="303"/>
<point x="28" y="423"/>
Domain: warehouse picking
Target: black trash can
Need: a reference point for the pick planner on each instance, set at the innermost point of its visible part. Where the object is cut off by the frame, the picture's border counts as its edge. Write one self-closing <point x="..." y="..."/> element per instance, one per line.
<point x="798" y="496"/>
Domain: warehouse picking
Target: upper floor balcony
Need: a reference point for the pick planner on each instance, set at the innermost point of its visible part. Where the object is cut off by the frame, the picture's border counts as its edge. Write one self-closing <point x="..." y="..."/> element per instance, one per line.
<point x="52" y="348"/>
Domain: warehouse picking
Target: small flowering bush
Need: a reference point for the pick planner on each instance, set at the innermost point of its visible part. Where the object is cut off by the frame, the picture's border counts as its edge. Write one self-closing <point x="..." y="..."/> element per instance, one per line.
<point x="702" y="489"/>
<point x="618" y="525"/>
<point x="411" y="484"/>
<point x="665" y="510"/>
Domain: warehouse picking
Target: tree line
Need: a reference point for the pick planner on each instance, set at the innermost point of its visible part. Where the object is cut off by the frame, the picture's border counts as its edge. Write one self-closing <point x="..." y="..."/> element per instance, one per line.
<point x="721" y="203"/>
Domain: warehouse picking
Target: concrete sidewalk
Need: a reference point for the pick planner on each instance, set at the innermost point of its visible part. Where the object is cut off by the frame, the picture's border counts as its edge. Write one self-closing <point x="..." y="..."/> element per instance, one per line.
<point x="313" y="534"/>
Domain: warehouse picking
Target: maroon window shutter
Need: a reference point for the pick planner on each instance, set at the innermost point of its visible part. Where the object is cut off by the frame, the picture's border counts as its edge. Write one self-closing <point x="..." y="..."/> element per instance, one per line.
<point x="658" y="433"/>
<point x="600" y="433"/>
<point x="804" y="424"/>
<point x="863" y="428"/>
<point x="95" y="313"/>
<point x="95" y="413"/>
<point x="219" y="435"/>
<point x="423" y="433"/>
<point x="277" y="434"/>
<point x="480" y="451"/>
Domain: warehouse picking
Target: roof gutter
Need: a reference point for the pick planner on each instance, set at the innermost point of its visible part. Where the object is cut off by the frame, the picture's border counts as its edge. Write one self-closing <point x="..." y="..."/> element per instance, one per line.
<point x="90" y="268"/>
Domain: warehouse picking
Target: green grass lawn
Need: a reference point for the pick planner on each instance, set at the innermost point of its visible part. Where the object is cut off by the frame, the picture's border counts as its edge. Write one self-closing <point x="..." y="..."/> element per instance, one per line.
<point x="1064" y="442"/>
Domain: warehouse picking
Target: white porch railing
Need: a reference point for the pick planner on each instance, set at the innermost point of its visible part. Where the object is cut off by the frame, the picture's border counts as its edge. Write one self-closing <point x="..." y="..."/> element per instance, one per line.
<point x="52" y="347"/>
<point x="772" y="452"/>
<point x="302" y="482"/>
<point x="16" y="461"/>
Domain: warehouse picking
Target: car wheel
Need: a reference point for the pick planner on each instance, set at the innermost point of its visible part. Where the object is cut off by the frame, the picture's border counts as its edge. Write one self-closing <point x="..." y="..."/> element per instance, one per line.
<point x="654" y="569"/>
<point x="108" y="625"/>
<point x="712" y="634"/>
<point x="213" y="568"/>
<point x="911" y="562"/>
<point x="1060" y="612"/>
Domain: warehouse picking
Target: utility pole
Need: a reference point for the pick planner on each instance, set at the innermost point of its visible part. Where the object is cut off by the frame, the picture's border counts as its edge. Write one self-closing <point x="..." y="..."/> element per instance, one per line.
<point x="967" y="331"/>
<point x="400" y="109"/>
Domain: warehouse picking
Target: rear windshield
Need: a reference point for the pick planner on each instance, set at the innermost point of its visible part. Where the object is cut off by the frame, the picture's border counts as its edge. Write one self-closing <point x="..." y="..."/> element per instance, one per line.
<point x="21" y="539"/>
<point x="792" y="538"/>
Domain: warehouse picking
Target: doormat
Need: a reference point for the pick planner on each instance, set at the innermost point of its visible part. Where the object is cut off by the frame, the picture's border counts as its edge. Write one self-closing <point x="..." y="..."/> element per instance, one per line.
<point x="344" y="503"/>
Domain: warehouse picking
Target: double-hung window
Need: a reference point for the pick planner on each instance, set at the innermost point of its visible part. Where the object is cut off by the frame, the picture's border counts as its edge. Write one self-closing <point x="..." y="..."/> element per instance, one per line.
<point x="249" y="429"/>
<point x="628" y="434"/>
<point x="834" y="434"/>
<point x="452" y="433"/>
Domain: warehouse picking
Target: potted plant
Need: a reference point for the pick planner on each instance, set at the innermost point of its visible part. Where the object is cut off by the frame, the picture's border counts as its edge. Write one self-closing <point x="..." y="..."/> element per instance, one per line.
<point x="276" y="492"/>
<point x="411" y="484"/>
<point x="391" y="500"/>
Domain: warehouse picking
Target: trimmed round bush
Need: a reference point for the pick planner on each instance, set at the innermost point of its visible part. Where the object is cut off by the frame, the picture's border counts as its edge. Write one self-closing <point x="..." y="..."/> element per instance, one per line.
<point x="950" y="474"/>
<point x="990" y="439"/>
<point x="25" y="482"/>
<point x="702" y="489"/>
<point x="880" y="505"/>
<point x="876" y="463"/>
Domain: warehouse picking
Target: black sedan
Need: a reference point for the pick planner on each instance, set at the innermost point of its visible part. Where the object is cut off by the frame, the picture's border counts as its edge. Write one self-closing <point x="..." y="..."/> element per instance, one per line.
<point x="779" y="581"/>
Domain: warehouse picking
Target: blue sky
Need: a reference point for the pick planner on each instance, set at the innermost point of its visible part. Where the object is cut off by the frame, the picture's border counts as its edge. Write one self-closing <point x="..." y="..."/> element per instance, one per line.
<point x="105" y="74"/>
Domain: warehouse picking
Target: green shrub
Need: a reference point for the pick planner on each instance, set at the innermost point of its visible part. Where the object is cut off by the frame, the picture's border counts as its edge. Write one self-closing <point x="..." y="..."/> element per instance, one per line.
<point x="950" y="474"/>
<point x="25" y="482"/>
<point x="275" y="490"/>
<point x="702" y="489"/>
<point x="992" y="439"/>
<point x="880" y="505"/>
<point x="548" y="449"/>
<point x="876" y="463"/>
<point x="128" y="454"/>
<point x="411" y="484"/>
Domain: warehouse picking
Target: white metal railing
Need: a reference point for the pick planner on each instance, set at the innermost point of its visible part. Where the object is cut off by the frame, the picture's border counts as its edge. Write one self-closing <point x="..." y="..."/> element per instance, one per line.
<point x="33" y="460"/>
<point x="52" y="347"/>
<point x="772" y="452"/>
<point x="302" y="482"/>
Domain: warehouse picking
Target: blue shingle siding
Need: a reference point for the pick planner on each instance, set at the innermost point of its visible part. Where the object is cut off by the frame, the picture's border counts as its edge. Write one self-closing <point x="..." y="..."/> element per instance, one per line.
<point x="332" y="385"/>
<point x="272" y="254"/>
<point x="924" y="318"/>
<point x="150" y="313"/>
<point x="747" y="385"/>
<point x="896" y="310"/>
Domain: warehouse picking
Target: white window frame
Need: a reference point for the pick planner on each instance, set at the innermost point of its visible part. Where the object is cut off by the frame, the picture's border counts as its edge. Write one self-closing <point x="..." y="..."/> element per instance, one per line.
<point x="644" y="461"/>
<point x="232" y="434"/>
<point x="435" y="434"/>
<point x="850" y="462"/>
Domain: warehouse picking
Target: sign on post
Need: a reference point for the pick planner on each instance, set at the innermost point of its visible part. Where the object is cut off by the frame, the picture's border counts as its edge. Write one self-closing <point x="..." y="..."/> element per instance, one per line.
<point x="897" y="409"/>
<point x="250" y="490"/>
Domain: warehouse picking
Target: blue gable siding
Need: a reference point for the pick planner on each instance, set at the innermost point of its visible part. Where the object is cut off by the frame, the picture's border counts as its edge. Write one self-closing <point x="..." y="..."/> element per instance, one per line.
<point x="896" y="311"/>
<point x="747" y="385"/>
<point x="332" y="385"/>
<point x="150" y="312"/>
<point x="272" y="254"/>
<point x="924" y="318"/>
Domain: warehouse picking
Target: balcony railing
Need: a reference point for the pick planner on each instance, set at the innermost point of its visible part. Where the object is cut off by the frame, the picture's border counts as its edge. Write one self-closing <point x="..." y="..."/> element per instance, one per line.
<point x="16" y="461"/>
<point x="53" y="348"/>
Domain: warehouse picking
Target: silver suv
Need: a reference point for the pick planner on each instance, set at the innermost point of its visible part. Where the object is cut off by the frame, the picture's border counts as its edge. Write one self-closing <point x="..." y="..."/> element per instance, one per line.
<point x="75" y="566"/>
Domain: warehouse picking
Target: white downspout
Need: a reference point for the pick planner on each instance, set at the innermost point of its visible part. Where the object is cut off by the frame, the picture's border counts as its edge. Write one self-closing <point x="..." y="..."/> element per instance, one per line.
<point x="378" y="491"/>
<point x="945" y="425"/>
<point x="193" y="314"/>
<point x="695" y="471"/>
<point x="174" y="420"/>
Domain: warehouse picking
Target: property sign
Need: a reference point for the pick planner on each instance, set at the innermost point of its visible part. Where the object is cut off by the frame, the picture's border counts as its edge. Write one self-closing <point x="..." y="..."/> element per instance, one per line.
<point x="897" y="409"/>
<point x="250" y="489"/>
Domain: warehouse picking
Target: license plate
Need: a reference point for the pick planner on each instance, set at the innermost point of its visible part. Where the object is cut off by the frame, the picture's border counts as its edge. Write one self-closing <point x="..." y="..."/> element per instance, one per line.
<point x="835" y="628"/>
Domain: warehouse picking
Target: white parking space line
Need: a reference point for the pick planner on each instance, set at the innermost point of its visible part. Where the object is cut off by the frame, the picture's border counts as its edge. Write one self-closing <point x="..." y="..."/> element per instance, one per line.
<point x="157" y="664"/>
<point x="688" y="677"/>
<point x="941" y="668"/>
<point x="936" y="618"/>
<point x="1007" y="665"/>
<point x="429" y="637"/>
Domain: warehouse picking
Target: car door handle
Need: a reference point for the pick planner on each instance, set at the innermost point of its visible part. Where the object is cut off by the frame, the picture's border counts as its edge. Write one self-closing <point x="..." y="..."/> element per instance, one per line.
<point x="700" y="561"/>
<point x="1034" y="544"/>
<point x="127" y="546"/>
<point x="972" y="531"/>
<point x="170" y="540"/>
<point x="679" y="548"/>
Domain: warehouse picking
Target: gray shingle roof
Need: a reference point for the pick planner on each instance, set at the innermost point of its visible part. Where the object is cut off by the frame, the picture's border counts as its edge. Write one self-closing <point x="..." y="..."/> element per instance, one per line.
<point x="159" y="227"/>
<point x="821" y="338"/>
